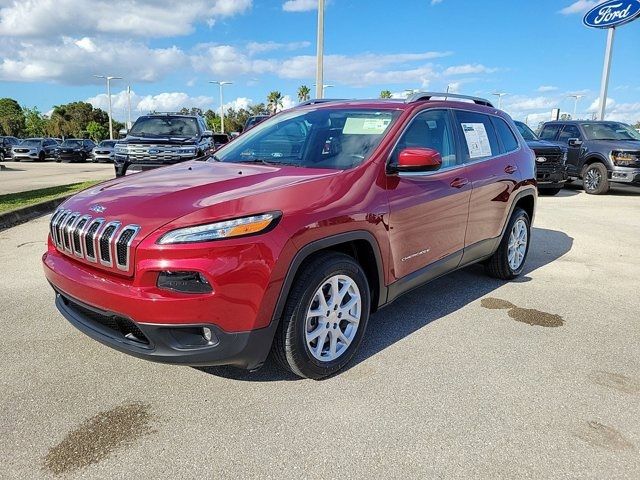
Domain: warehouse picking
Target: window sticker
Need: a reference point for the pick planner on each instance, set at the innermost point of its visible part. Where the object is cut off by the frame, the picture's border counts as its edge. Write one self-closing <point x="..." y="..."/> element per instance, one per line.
<point x="365" y="126"/>
<point x="477" y="140"/>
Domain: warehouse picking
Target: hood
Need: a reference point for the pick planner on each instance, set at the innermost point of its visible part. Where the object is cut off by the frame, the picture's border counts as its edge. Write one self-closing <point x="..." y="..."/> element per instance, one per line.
<point x="633" y="145"/>
<point x="543" y="145"/>
<point x="154" y="198"/>
<point x="157" y="140"/>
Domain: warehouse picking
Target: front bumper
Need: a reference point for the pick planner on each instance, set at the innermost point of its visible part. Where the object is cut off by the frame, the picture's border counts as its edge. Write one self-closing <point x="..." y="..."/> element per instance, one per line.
<point x="25" y="156"/>
<point x="625" y="175"/>
<point x="551" y="178"/>
<point x="175" y="344"/>
<point x="70" y="157"/>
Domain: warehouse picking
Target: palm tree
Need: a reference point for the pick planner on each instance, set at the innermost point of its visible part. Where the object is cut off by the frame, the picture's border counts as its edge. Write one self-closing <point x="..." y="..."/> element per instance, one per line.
<point x="303" y="93"/>
<point x="385" y="94"/>
<point x="274" y="100"/>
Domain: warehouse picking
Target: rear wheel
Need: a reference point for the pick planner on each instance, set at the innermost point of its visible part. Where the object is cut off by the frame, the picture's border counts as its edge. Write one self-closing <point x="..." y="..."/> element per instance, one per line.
<point x="325" y="316"/>
<point x="508" y="261"/>
<point x="595" y="179"/>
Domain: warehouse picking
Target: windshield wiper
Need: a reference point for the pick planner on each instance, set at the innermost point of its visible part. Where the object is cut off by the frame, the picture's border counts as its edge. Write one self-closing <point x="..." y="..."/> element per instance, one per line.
<point x="267" y="162"/>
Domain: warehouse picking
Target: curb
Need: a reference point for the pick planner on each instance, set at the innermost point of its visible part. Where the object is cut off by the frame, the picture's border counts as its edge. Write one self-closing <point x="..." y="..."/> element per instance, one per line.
<point x="22" y="215"/>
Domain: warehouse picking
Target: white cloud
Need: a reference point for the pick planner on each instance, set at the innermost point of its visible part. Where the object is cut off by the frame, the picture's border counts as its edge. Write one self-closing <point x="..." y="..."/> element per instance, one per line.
<point x="520" y="103"/>
<point x="162" y="102"/>
<point x="300" y="5"/>
<point x="580" y="6"/>
<point x="595" y="105"/>
<point x="157" y="18"/>
<point x="287" y="102"/>
<point x="75" y="61"/>
<point x="238" y="103"/>
<point x="435" y="2"/>
<point x="547" y="88"/>
<point x="468" y="69"/>
<point x="254" y="48"/>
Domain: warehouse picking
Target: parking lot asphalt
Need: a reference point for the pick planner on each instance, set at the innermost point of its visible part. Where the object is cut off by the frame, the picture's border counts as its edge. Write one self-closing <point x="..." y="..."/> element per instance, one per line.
<point x="22" y="176"/>
<point x="467" y="377"/>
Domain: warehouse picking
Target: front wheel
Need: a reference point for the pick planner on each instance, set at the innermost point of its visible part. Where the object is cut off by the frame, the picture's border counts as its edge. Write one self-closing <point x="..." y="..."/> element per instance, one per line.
<point x="325" y="316"/>
<point x="508" y="261"/>
<point x="595" y="179"/>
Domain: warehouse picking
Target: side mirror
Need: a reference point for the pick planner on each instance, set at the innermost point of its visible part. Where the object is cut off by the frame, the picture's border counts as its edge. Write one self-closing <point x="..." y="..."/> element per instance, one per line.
<point x="207" y="134"/>
<point x="418" y="160"/>
<point x="575" y="142"/>
<point x="123" y="132"/>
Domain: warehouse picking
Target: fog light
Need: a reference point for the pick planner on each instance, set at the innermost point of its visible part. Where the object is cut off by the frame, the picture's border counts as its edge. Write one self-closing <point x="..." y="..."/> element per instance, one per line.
<point x="206" y="333"/>
<point x="185" y="282"/>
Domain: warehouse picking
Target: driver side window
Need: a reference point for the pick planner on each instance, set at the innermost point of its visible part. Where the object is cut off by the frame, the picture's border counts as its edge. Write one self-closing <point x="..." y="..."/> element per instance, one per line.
<point x="429" y="129"/>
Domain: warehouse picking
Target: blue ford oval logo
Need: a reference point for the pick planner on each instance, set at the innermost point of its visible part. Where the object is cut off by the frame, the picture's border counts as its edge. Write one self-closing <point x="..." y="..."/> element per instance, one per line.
<point x="612" y="13"/>
<point x="153" y="151"/>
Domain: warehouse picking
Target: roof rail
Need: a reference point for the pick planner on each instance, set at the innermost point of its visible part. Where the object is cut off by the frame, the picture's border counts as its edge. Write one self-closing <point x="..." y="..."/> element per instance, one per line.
<point x="419" y="96"/>
<point x="315" y="101"/>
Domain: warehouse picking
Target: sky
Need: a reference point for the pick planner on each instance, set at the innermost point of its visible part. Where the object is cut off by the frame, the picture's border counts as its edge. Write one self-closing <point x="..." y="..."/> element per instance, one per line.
<point x="536" y="51"/>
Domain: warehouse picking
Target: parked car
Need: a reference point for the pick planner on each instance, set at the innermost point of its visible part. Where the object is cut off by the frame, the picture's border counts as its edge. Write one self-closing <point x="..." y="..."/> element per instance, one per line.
<point x="290" y="236"/>
<point x="551" y="169"/>
<point x="35" y="149"/>
<point x="6" y="143"/>
<point x="220" y="139"/>
<point x="253" y="121"/>
<point x="103" y="152"/>
<point x="600" y="153"/>
<point x="162" y="139"/>
<point x="75" y="150"/>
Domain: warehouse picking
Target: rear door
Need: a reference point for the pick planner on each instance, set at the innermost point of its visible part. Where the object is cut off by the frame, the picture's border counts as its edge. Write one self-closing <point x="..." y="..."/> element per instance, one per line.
<point x="493" y="172"/>
<point x="428" y="210"/>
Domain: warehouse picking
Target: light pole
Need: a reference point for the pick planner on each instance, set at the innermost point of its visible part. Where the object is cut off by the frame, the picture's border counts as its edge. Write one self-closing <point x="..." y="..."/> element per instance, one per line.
<point x="577" y="98"/>
<point x="500" y="95"/>
<point x="221" y="84"/>
<point x="108" y="80"/>
<point x="128" y="107"/>
<point x="324" y="87"/>
<point x="320" y="52"/>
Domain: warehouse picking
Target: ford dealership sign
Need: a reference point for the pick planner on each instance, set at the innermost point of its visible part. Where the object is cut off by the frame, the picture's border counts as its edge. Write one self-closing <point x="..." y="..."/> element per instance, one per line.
<point x="612" y="13"/>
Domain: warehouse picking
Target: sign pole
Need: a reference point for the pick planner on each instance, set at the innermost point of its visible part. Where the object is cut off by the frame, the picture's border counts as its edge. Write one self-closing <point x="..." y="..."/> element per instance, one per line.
<point x="606" y="70"/>
<point x="320" y="52"/>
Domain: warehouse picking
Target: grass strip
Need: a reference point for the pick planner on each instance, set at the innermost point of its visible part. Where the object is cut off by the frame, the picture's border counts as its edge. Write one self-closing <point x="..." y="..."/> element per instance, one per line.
<point x="15" y="201"/>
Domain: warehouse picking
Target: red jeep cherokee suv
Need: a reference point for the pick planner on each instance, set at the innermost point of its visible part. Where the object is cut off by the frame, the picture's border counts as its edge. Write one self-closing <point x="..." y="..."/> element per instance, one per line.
<point x="294" y="233"/>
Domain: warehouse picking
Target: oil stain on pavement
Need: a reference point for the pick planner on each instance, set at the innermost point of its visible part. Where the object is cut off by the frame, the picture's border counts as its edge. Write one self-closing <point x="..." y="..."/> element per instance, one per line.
<point x="524" y="315"/>
<point x="598" y="435"/>
<point x="98" y="436"/>
<point x="616" y="381"/>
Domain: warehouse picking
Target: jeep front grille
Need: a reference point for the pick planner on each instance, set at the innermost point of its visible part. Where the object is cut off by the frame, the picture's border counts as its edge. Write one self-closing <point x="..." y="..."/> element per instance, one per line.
<point x="93" y="239"/>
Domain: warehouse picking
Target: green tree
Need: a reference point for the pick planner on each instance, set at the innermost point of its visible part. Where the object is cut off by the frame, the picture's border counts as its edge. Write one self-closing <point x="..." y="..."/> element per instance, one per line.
<point x="274" y="100"/>
<point x="304" y="93"/>
<point x="258" y="109"/>
<point x="96" y="131"/>
<point x="35" y="123"/>
<point x="71" y="119"/>
<point x="12" y="120"/>
<point x="385" y="94"/>
<point x="637" y="125"/>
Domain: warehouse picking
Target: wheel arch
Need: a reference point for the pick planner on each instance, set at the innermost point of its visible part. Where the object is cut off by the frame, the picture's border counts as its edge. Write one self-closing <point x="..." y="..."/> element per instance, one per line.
<point x="595" y="158"/>
<point x="360" y="245"/>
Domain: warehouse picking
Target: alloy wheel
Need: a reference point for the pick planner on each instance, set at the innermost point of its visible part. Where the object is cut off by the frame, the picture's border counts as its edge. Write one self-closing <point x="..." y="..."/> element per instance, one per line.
<point x="333" y="318"/>
<point x="517" y="247"/>
<point x="592" y="179"/>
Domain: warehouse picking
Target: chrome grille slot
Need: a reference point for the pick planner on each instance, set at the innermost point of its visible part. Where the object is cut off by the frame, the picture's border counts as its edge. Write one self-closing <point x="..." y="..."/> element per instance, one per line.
<point x="93" y="239"/>
<point x="104" y="243"/>
<point x="123" y="246"/>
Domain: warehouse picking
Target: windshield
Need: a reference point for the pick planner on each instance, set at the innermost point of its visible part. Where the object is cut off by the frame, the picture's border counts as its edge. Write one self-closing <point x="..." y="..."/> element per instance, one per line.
<point x="107" y="143"/>
<point x="610" y="131"/>
<point x="31" y="142"/>
<point x="323" y="138"/>
<point x="72" y="143"/>
<point x="165" y="127"/>
<point x="526" y="132"/>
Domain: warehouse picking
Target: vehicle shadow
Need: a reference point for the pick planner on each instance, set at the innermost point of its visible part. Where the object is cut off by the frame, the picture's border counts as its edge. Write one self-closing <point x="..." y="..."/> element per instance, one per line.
<point x="422" y="306"/>
<point x="617" y="190"/>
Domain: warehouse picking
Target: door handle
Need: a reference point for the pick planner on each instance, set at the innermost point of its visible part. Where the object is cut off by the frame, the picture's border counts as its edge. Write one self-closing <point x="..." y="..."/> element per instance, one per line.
<point x="459" y="182"/>
<point x="510" y="169"/>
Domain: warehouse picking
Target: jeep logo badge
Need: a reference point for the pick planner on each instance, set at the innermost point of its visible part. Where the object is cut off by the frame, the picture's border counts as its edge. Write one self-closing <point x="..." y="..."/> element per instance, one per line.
<point x="97" y="208"/>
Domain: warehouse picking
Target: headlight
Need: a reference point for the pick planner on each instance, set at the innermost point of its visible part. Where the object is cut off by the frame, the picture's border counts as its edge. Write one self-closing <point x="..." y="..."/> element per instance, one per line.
<point x="219" y="230"/>
<point x="624" y="159"/>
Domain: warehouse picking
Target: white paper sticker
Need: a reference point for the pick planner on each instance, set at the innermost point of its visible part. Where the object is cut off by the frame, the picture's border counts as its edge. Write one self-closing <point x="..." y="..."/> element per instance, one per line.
<point x="365" y="126"/>
<point x="477" y="140"/>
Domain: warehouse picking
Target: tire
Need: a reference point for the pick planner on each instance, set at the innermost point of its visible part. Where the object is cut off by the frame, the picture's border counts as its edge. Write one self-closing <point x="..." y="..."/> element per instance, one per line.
<point x="291" y="346"/>
<point x="595" y="179"/>
<point x="549" y="191"/>
<point x="499" y="264"/>
<point x="41" y="157"/>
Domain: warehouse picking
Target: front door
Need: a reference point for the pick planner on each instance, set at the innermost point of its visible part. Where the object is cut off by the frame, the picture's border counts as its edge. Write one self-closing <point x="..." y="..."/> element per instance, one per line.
<point x="428" y="210"/>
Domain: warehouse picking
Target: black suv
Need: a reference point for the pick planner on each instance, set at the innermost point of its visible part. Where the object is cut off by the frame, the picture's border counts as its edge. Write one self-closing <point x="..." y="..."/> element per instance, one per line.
<point x="75" y="150"/>
<point x="162" y="139"/>
<point x="551" y="170"/>
<point x="5" y="146"/>
<point x="599" y="152"/>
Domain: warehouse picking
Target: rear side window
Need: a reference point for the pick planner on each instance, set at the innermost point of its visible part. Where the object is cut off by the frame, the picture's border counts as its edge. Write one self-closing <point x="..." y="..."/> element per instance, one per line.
<point x="479" y="139"/>
<point x="549" y="132"/>
<point x="508" y="139"/>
